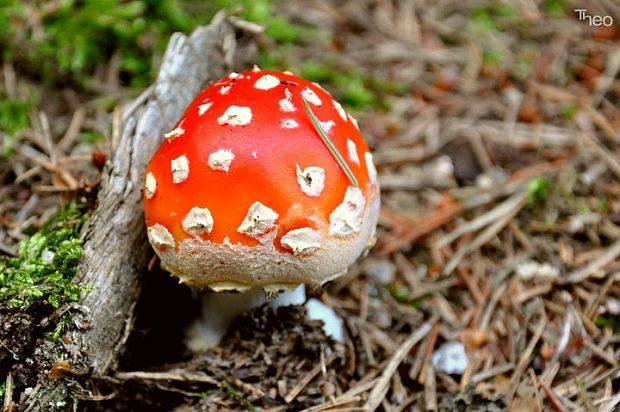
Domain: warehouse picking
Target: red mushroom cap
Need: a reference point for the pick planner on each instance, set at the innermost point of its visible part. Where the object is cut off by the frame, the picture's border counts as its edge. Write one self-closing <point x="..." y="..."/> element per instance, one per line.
<point x="244" y="192"/>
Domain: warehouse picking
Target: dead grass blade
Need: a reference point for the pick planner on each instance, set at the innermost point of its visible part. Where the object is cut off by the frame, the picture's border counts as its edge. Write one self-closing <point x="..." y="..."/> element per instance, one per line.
<point x="380" y="390"/>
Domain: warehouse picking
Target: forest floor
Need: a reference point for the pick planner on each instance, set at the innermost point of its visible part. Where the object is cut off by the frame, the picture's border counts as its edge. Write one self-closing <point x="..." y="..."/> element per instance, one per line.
<point x="495" y="282"/>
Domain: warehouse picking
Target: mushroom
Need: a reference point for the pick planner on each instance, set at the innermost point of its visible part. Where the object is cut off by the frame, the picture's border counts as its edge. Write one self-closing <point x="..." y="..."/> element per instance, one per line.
<point x="265" y="182"/>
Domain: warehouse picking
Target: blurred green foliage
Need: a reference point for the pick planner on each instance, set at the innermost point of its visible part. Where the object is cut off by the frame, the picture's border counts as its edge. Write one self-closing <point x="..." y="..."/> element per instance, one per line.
<point x="238" y="396"/>
<point x="493" y="15"/>
<point x="13" y="119"/>
<point x="556" y="7"/>
<point x="65" y="40"/>
<point x="262" y="12"/>
<point x="354" y="89"/>
<point x="66" y="43"/>
<point x="608" y="322"/>
<point x="45" y="265"/>
<point x="63" y="324"/>
<point x="538" y="189"/>
<point x="91" y="137"/>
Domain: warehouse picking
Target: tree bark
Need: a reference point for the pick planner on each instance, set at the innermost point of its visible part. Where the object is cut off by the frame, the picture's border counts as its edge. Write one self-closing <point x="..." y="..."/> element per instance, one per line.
<point x="115" y="242"/>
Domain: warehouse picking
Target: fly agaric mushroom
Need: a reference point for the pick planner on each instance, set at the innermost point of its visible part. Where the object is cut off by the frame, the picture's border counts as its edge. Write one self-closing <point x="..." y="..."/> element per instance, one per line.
<point x="264" y="181"/>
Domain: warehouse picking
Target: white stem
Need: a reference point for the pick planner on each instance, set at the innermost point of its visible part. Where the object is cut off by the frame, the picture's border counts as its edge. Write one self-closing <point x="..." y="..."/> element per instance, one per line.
<point x="332" y="323"/>
<point x="219" y="310"/>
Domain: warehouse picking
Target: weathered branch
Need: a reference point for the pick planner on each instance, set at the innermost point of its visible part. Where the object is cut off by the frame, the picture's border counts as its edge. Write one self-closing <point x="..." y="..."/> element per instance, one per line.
<point x="115" y="243"/>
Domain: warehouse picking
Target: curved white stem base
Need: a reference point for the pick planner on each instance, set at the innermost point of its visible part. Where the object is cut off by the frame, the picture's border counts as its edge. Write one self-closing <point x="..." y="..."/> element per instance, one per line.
<point x="219" y="310"/>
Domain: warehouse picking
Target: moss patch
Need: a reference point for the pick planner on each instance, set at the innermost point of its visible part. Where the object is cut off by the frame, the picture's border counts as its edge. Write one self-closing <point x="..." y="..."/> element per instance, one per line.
<point x="46" y="264"/>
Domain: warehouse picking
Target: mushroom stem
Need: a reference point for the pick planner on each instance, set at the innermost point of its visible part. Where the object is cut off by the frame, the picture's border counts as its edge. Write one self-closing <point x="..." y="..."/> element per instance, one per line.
<point x="219" y="309"/>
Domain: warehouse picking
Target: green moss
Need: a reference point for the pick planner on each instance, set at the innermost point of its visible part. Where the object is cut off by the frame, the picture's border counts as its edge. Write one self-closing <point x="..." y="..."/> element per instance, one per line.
<point x="235" y="395"/>
<point x="91" y="137"/>
<point x="63" y="324"/>
<point x="400" y="293"/>
<point x="46" y="264"/>
<point x="491" y="57"/>
<point x="494" y="15"/>
<point x="601" y="204"/>
<point x="482" y="19"/>
<point x="555" y="7"/>
<point x="538" y="189"/>
<point x="611" y="322"/>
<point x="569" y="112"/>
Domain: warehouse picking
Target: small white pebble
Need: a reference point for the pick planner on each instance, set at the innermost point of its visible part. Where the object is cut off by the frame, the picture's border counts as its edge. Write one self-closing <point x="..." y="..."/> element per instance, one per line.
<point x="531" y="269"/>
<point x="485" y="181"/>
<point x="180" y="169"/>
<point x="47" y="256"/>
<point x="450" y="358"/>
<point x="442" y="167"/>
<point x="579" y="222"/>
<point x="612" y="306"/>
<point x="380" y="269"/>
<point x="592" y="173"/>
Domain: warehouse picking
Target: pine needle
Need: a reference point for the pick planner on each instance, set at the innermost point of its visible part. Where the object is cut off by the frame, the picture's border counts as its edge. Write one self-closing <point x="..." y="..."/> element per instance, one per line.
<point x="330" y="145"/>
